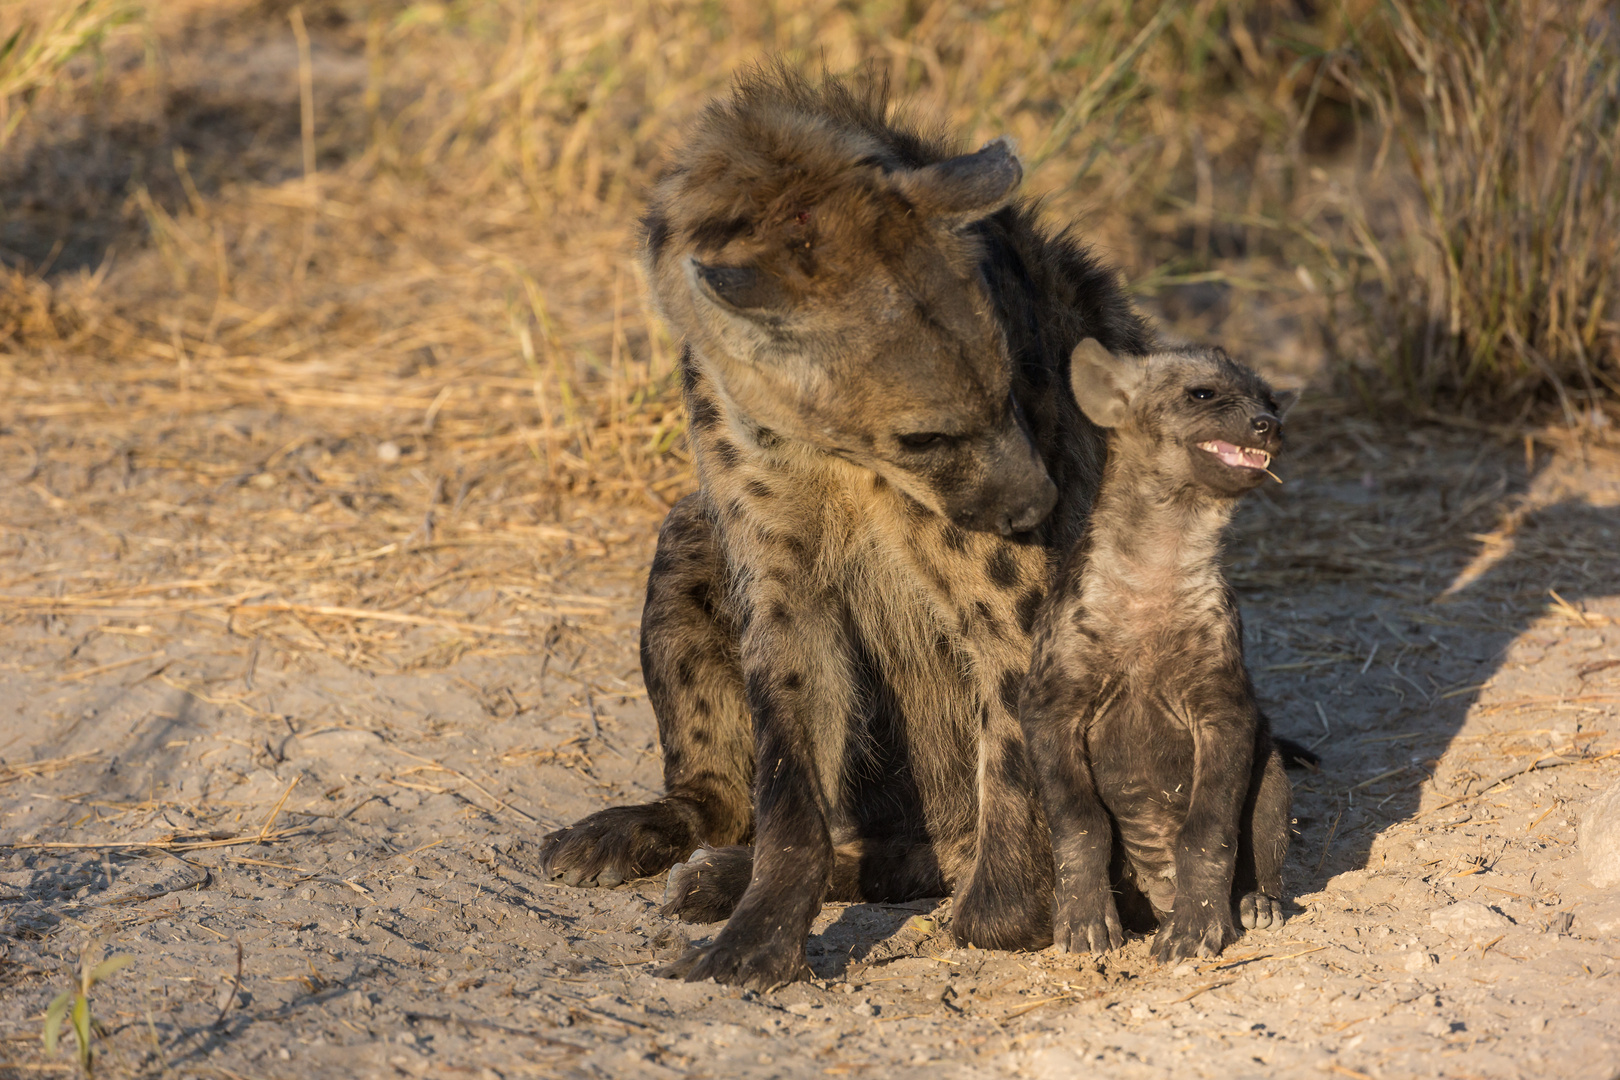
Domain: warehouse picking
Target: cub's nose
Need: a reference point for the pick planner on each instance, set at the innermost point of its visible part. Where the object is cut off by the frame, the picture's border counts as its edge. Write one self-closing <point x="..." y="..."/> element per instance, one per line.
<point x="1264" y="424"/>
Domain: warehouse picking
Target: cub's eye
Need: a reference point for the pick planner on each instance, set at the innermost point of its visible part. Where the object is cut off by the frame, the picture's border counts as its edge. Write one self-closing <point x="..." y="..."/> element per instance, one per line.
<point x="922" y="440"/>
<point x="1200" y="393"/>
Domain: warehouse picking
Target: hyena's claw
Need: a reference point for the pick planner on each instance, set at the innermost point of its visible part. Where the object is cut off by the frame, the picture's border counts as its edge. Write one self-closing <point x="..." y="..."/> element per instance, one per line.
<point x="763" y="967"/>
<point x="706" y="887"/>
<point x="1257" y="911"/>
<point x="616" y="845"/>
<point x="1189" y="932"/>
<point x="1087" y="925"/>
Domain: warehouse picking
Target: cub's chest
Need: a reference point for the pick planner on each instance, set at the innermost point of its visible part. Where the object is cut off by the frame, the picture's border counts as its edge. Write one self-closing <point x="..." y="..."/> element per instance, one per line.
<point x="1154" y="632"/>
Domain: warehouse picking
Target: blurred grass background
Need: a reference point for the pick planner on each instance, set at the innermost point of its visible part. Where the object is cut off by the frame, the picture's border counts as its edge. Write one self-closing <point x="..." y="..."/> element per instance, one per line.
<point x="1427" y="193"/>
<point x="305" y="295"/>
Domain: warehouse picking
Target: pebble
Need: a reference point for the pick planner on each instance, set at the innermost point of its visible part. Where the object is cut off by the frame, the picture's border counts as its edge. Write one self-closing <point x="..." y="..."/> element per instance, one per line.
<point x="1471" y="920"/>
<point x="1418" y="961"/>
<point x="1599" y="840"/>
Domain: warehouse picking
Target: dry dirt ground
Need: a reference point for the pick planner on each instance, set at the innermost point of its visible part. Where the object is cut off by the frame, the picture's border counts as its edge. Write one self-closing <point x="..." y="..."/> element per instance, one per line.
<point x="323" y="869"/>
<point x="300" y="656"/>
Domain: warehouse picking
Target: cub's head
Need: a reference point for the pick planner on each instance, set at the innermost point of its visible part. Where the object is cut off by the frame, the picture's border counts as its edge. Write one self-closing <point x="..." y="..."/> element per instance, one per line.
<point x="1195" y="415"/>
<point x="827" y="269"/>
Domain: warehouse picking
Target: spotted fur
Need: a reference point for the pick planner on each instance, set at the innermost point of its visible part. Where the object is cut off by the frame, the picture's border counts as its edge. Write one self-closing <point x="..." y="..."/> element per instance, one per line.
<point x="837" y="623"/>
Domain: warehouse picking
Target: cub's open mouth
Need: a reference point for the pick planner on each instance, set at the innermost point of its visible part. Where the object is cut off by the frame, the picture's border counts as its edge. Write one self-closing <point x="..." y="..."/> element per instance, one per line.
<point x="1239" y="457"/>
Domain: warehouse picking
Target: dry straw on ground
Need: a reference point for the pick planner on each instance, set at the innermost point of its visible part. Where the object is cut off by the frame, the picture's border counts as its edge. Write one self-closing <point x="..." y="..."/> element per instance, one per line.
<point x="323" y="322"/>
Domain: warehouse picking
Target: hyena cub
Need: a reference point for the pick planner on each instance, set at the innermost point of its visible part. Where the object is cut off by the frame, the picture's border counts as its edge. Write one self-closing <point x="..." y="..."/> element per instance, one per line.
<point x="1139" y="714"/>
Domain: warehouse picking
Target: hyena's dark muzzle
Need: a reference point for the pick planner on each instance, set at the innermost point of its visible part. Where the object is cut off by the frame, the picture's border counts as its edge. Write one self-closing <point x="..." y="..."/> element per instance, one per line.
<point x="1015" y="493"/>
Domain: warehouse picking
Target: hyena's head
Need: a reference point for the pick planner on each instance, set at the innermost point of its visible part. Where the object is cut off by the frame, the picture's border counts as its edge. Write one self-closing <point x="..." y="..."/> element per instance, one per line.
<point x="826" y="270"/>
<point x="1193" y="416"/>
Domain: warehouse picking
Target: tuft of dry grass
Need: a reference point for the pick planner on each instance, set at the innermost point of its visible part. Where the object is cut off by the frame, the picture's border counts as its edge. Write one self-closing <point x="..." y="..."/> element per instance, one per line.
<point x="1498" y="272"/>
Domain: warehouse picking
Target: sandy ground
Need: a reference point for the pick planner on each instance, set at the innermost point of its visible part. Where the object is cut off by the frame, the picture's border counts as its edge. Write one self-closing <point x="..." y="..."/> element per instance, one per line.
<point x="366" y="843"/>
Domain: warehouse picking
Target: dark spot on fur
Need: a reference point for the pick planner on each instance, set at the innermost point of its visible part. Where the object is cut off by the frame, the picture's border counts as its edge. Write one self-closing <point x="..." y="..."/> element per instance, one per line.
<point x="725" y="451"/>
<point x="1011" y="683"/>
<point x="734" y="509"/>
<point x="702" y="595"/>
<point x="701" y="706"/>
<point x="878" y="483"/>
<point x="685" y="672"/>
<point x="673" y="758"/>
<point x="689" y="371"/>
<point x="701" y="735"/>
<point x="655" y="233"/>
<point x="1002" y="567"/>
<point x="792" y="680"/>
<point x="759" y="489"/>
<point x="703" y="412"/>
<point x="987" y="617"/>
<point x="955" y="536"/>
<point x="1028" y="605"/>
<point x="767" y="438"/>
<point x="779" y="612"/>
<point x="1012" y="759"/>
<point x="718" y="232"/>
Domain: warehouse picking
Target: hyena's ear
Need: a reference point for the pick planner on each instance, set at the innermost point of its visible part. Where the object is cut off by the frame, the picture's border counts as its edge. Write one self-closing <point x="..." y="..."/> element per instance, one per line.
<point x="1285" y="399"/>
<point x="747" y="288"/>
<point x="966" y="187"/>
<point x="1103" y="383"/>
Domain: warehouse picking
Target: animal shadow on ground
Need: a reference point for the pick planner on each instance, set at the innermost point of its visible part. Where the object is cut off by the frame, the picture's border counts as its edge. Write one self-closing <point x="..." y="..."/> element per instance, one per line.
<point x="1374" y="636"/>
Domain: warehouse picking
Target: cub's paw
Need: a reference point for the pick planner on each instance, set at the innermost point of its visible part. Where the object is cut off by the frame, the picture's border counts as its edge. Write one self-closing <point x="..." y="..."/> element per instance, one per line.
<point x="1195" y="928"/>
<point x="754" y="966"/>
<point x="615" y="845"/>
<point x="1257" y="911"/>
<point x="1087" y="921"/>
<point x="706" y="887"/>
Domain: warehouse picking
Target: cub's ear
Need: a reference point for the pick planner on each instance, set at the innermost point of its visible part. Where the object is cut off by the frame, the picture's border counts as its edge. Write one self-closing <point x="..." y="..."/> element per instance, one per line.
<point x="747" y="288"/>
<point x="1103" y="383"/>
<point x="1285" y="399"/>
<point x="966" y="187"/>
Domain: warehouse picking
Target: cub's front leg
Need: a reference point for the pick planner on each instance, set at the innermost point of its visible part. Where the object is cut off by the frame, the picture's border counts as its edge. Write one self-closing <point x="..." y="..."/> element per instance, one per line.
<point x="1053" y="711"/>
<point x="795" y="674"/>
<point x="1200" y="923"/>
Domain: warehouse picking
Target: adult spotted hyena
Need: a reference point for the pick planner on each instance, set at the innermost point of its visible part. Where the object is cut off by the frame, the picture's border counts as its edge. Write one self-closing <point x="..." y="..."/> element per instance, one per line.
<point x="890" y="462"/>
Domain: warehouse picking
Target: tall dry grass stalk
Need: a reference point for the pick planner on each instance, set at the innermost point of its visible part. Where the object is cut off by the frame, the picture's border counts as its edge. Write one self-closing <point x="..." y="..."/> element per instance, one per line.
<point x="1499" y="274"/>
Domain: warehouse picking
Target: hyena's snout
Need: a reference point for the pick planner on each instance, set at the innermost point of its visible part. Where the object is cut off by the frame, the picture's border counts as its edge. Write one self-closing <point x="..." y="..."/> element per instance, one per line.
<point x="1027" y="507"/>
<point x="1017" y="494"/>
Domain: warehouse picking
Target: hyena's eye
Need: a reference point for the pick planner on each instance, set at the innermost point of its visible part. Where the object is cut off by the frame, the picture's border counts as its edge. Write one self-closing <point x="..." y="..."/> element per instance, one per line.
<point x="922" y="440"/>
<point x="1200" y="393"/>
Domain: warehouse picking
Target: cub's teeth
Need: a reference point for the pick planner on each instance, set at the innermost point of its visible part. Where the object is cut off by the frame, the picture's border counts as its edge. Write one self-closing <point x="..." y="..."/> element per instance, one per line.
<point x="1238" y="457"/>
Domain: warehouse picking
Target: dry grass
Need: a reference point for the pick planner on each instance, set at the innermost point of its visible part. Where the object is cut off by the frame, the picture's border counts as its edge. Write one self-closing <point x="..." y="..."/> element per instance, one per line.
<point x="1496" y="255"/>
<point x="323" y="323"/>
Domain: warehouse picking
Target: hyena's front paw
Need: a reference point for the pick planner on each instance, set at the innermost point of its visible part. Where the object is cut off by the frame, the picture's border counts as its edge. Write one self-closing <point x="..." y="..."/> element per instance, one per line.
<point x="990" y="918"/>
<point x="1257" y="911"/>
<point x="1086" y="920"/>
<point x="734" y="960"/>
<point x="706" y="887"/>
<point x="1194" y="928"/>
<point x="615" y="845"/>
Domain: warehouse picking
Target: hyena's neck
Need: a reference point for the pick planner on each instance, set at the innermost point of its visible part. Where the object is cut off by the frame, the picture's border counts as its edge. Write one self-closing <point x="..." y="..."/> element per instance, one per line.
<point x="1154" y="534"/>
